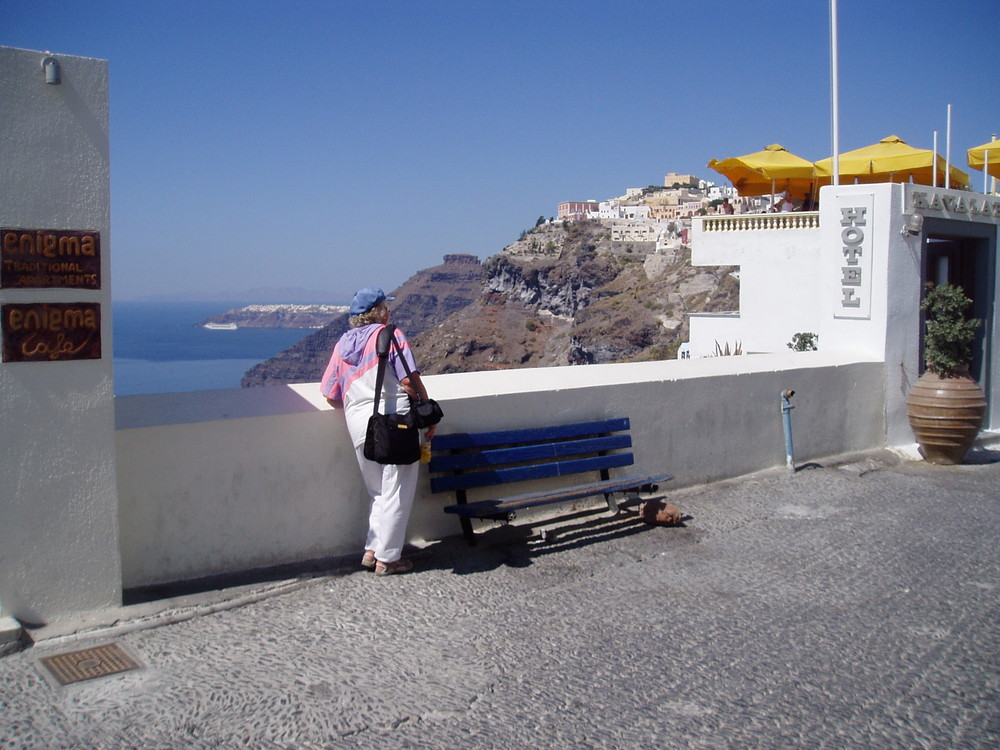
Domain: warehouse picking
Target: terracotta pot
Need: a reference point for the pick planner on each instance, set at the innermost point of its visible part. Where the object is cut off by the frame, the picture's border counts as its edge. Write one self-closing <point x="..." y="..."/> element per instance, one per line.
<point x="945" y="415"/>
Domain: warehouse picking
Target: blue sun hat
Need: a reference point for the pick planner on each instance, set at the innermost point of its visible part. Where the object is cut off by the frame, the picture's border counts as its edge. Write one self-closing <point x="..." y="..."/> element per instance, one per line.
<point x="365" y="299"/>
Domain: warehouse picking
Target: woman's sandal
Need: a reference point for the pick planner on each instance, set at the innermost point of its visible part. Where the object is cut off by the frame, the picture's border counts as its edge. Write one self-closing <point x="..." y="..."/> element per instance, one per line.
<point x="368" y="561"/>
<point x="388" y="569"/>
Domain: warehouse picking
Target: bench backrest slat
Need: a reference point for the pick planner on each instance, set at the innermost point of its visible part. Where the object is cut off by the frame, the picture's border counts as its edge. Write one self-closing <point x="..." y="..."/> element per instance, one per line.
<point x="468" y="461"/>
<point x="459" y="440"/>
<point x="507" y="474"/>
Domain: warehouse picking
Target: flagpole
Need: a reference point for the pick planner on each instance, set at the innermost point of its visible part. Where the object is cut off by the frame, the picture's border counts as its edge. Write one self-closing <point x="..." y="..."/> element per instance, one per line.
<point x="947" y="153"/>
<point x="934" y="163"/>
<point x="834" y="94"/>
<point x="993" y="182"/>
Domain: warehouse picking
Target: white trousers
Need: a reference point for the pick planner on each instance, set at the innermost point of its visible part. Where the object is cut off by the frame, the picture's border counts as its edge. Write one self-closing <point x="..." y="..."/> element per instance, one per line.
<point x="391" y="488"/>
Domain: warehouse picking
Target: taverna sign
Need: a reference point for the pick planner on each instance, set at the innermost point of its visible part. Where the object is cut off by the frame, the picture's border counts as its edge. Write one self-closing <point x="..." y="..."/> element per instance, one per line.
<point x="955" y="204"/>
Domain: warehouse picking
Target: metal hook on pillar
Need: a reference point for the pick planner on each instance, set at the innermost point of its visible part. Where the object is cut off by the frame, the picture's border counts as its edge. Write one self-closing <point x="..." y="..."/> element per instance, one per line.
<point x="53" y="73"/>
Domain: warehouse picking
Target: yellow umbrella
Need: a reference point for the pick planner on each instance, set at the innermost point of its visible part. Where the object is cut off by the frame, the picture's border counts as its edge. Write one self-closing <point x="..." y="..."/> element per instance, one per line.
<point x="893" y="160"/>
<point x="775" y="169"/>
<point x="977" y="158"/>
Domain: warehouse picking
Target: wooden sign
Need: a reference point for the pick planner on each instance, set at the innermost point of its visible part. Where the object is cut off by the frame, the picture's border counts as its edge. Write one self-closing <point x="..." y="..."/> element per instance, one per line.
<point x="51" y="331"/>
<point x="50" y="259"/>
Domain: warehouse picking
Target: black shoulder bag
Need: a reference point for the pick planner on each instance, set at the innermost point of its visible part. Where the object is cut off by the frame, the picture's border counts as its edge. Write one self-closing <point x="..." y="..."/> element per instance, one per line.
<point x="391" y="438"/>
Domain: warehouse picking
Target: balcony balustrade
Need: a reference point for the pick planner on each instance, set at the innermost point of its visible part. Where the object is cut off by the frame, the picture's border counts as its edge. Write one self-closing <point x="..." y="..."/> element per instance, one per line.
<point x="754" y="222"/>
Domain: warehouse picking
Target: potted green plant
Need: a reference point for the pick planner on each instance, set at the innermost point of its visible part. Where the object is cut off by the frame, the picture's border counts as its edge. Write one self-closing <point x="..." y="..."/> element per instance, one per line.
<point x="804" y="342"/>
<point x="946" y="405"/>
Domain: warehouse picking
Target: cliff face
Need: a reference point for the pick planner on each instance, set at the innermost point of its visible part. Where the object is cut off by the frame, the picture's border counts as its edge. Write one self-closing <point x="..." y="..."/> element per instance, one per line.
<point x="562" y="294"/>
<point x="570" y="295"/>
<point x="432" y="295"/>
<point x="424" y="299"/>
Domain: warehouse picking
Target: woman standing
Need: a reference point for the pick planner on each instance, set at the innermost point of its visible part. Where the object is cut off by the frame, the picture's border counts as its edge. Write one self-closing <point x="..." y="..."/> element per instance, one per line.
<point x="349" y="383"/>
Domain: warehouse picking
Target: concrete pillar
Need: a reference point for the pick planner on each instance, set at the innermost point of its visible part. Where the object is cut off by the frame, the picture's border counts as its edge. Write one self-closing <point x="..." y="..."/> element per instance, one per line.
<point x="58" y="502"/>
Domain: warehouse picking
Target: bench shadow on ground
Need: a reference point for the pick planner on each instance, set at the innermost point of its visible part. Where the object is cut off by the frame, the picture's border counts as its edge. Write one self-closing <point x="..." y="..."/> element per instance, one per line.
<point x="520" y="543"/>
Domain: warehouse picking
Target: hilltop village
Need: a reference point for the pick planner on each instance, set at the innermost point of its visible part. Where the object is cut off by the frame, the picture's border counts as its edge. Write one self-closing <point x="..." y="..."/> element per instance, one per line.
<point x="658" y="213"/>
<point x="275" y="316"/>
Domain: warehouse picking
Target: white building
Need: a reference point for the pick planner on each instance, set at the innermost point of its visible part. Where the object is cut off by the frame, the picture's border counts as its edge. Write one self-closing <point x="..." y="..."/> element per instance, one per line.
<point x="635" y="213"/>
<point x="609" y="210"/>
<point x="852" y="275"/>
<point x="635" y="233"/>
<point x="718" y="192"/>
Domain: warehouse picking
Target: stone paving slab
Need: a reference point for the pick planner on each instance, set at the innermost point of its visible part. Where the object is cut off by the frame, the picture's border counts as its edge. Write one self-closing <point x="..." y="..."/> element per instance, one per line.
<point x="847" y="605"/>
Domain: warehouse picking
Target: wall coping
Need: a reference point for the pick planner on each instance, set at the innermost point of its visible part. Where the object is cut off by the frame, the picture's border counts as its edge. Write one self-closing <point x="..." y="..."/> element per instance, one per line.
<point x="163" y="409"/>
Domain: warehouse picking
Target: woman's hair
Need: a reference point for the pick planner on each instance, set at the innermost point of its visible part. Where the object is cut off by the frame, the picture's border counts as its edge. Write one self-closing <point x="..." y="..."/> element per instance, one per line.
<point x="375" y="315"/>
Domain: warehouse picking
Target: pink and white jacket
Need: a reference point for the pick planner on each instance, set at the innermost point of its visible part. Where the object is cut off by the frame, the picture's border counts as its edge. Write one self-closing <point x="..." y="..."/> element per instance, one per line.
<point x="351" y="373"/>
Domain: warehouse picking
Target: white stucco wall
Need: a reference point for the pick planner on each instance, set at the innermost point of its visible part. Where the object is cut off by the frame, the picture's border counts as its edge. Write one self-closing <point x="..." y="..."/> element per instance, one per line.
<point x="890" y="331"/>
<point x="779" y="286"/>
<point x="58" y="508"/>
<point x="224" y="481"/>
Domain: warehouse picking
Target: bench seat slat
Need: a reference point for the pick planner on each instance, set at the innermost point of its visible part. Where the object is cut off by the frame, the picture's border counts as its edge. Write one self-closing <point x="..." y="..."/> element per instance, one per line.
<point x="562" y="494"/>
<point x="456" y="440"/>
<point x="522" y="453"/>
<point x="508" y="474"/>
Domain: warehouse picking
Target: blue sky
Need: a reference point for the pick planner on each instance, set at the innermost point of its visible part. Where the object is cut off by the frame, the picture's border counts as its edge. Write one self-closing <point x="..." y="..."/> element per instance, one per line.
<point x="331" y="145"/>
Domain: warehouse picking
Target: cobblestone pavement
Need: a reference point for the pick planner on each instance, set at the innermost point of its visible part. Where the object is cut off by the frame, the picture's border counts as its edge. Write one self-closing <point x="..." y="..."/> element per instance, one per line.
<point x="847" y="605"/>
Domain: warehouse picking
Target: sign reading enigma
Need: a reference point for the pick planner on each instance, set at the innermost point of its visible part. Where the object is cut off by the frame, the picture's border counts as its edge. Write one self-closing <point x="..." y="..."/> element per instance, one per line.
<point x="50" y="258"/>
<point x="50" y="331"/>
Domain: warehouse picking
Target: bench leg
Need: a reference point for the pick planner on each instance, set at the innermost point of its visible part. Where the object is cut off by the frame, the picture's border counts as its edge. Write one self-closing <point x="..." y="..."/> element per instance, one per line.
<point x="465" y="521"/>
<point x="470" y="535"/>
<point x="609" y="496"/>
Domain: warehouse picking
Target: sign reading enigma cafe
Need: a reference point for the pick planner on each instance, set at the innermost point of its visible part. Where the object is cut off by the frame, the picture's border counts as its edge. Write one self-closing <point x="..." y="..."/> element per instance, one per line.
<point x="50" y="258"/>
<point x="50" y="331"/>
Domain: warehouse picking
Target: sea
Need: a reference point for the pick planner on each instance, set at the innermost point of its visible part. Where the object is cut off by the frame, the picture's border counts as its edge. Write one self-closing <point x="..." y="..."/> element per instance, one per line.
<point x="161" y="347"/>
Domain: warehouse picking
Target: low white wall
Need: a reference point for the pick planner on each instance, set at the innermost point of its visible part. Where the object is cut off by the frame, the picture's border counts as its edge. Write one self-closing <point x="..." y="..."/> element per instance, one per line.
<point x="224" y="481"/>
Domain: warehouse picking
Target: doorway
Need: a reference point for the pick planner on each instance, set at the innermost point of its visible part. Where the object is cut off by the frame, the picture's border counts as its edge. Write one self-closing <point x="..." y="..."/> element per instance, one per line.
<point x="964" y="254"/>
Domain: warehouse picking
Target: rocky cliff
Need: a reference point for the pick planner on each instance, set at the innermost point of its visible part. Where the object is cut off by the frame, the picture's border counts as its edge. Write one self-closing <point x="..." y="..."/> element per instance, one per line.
<point x="568" y="294"/>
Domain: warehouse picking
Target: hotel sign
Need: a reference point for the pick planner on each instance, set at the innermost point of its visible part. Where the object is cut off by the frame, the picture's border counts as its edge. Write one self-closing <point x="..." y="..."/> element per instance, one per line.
<point x="49" y="331"/>
<point x="50" y="259"/>
<point x="855" y="246"/>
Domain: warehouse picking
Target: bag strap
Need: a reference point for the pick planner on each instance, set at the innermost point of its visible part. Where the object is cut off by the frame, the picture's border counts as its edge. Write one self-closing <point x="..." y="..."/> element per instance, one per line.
<point x="399" y="351"/>
<point x="382" y="350"/>
<point x="387" y="338"/>
<point x="409" y="373"/>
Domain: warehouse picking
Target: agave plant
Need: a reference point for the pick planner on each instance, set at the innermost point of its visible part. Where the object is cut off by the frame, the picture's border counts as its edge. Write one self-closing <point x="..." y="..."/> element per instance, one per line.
<point x="727" y="352"/>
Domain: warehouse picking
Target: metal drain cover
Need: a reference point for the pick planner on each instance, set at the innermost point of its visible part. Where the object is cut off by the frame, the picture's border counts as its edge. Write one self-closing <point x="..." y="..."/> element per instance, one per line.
<point x="88" y="663"/>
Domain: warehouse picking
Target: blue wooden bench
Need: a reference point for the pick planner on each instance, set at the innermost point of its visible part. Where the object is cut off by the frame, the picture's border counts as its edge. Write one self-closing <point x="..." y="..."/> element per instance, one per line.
<point x="464" y="461"/>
